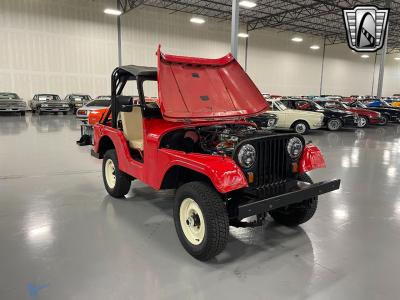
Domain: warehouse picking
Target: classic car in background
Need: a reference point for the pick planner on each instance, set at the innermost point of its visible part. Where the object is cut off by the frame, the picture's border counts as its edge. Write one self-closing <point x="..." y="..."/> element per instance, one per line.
<point x="365" y="116"/>
<point x="100" y="102"/>
<point x="388" y="114"/>
<point x="42" y="103"/>
<point x="76" y="101"/>
<point x="334" y="119"/>
<point x="345" y="119"/>
<point x="393" y="101"/>
<point x="11" y="102"/>
<point x="299" y="121"/>
<point x="380" y="103"/>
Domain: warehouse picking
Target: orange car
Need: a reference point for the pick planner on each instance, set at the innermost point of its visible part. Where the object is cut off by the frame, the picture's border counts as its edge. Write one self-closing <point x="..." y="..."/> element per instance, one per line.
<point x="94" y="117"/>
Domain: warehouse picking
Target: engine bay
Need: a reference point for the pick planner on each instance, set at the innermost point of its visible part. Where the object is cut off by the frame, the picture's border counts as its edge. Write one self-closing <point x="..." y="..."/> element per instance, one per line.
<point x="214" y="139"/>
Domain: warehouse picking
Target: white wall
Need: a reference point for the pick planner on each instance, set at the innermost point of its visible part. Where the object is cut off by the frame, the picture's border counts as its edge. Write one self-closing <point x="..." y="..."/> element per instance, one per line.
<point x="346" y="73"/>
<point x="144" y="28"/>
<point x="64" y="46"/>
<point x="56" y="46"/>
<point x="280" y="66"/>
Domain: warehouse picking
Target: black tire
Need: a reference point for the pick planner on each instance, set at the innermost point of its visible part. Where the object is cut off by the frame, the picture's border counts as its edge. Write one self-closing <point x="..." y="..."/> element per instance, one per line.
<point x="301" y="127"/>
<point x="297" y="213"/>
<point x="334" y="124"/>
<point x="122" y="180"/>
<point x="215" y="216"/>
<point x="22" y="113"/>
<point x="65" y="112"/>
<point x="40" y="112"/>
<point x="362" y="122"/>
<point x="386" y="120"/>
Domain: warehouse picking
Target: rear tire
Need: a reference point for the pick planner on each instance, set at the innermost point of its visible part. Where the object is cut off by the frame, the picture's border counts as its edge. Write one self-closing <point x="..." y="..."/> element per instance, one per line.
<point x="40" y="112"/>
<point x="301" y="127"/>
<point x="201" y="220"/>
<point x="65" y="113"/>
<point x="22" y="113"/>
<point x="297" y="213"/>
<point x="386" y="120"/>
<point x="334" y="124"/>
<point x="116" y="182"/>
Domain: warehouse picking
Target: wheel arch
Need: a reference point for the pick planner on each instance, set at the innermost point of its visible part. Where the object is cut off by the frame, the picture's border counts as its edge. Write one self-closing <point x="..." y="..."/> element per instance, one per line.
<point x="178" y="175"/>
<point x="299" y="120"/>
<point x="105" y="144"/>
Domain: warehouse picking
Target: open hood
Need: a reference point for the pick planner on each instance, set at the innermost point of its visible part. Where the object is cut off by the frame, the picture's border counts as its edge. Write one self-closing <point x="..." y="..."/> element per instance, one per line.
<point x="198" y="89"/>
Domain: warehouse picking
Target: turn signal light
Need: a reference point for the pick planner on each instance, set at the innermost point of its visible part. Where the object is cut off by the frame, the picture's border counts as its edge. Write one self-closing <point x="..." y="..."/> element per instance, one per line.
<point x="295" y="167"/>
<point x="250" y="176"/>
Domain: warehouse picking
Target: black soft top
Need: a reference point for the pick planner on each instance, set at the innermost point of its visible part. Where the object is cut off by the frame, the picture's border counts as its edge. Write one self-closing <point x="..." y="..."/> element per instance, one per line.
<point x="135" y="71"/>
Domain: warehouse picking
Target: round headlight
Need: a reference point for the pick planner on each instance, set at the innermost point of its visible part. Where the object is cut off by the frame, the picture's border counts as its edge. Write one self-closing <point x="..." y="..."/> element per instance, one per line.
<point x="247" y="156"/>
<point x="294" y="147"/>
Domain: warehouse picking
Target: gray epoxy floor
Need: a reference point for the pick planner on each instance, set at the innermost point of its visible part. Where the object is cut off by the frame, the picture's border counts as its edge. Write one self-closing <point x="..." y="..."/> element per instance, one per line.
<point x="62" y="237"/>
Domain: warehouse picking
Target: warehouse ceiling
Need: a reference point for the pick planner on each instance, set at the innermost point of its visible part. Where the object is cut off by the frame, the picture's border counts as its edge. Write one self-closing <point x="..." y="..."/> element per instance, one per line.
<point x="316" y="17"/>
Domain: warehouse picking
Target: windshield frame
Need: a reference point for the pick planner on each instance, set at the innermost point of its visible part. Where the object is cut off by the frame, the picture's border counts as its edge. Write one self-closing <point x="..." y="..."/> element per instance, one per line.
<point x="279" y="105"/>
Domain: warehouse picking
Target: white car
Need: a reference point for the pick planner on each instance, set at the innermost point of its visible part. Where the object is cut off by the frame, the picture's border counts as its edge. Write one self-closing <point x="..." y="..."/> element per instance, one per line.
<point x="297" y="120"/>
<point x="100" y="102"/>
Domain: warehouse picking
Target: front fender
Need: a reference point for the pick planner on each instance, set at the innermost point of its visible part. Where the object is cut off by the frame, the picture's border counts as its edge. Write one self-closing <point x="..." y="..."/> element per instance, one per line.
<point x="223" y="172"/>
<point x="311" y="159"/>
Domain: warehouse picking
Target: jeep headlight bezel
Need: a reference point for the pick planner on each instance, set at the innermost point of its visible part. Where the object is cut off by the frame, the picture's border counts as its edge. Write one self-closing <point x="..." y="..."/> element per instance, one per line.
<point x="295" y="147"/>
<point x="246" y="156"/>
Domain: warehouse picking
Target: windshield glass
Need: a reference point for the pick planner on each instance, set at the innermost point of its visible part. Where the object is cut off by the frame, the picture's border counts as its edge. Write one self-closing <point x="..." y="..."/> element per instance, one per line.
<point x="362" y="105"/>
<point x="317" y="106"/>
<point x="79" y="98"/>
<point x="279" y="105"/>
<point x="48" y="98"/>
<point x="8" y="96"/>
<point x="103" y="98"/>
<point x="102" y="103"/>
<point x="345" y="106"/>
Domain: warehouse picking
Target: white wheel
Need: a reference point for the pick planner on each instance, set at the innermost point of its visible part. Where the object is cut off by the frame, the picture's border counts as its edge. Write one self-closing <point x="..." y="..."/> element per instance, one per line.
<point x="301" y="128"/>
<point x="192" y="221"/>
<point x="334" y="124"/>
<point x="116" y="182"/>
<point x="362" y="122"/>
<point x="110" y="173"/>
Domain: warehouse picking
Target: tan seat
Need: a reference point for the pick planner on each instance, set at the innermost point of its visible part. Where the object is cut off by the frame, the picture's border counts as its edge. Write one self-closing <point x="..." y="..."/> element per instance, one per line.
<point x="132" y="124"/>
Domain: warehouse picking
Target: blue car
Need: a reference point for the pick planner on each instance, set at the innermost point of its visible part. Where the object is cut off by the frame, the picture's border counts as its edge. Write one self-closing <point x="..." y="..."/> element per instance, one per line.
<point x="378" y="103"/>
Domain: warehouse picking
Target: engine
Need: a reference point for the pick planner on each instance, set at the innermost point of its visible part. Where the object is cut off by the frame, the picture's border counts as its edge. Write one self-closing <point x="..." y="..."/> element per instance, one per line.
<point x="222" y="139"/>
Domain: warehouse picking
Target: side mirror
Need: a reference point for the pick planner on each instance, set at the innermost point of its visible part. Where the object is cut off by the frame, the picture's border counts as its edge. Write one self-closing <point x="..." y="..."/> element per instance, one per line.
<point x="124" y="103"/>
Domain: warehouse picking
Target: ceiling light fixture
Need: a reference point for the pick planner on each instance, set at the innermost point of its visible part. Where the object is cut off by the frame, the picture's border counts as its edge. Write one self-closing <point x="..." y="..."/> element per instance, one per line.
<point x="364" y="56"/>
<point x="247" y="4"/>
<point x="314" y="47"/>
<point x="243" y="35"/>
<point x="197" y="20"/>
<point x="297" y="39"/>
<point x="114" y="12"/>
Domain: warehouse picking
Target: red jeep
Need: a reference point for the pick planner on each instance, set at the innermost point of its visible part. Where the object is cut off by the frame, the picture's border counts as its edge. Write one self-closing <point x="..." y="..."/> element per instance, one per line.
<point x="195" y="138"/>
